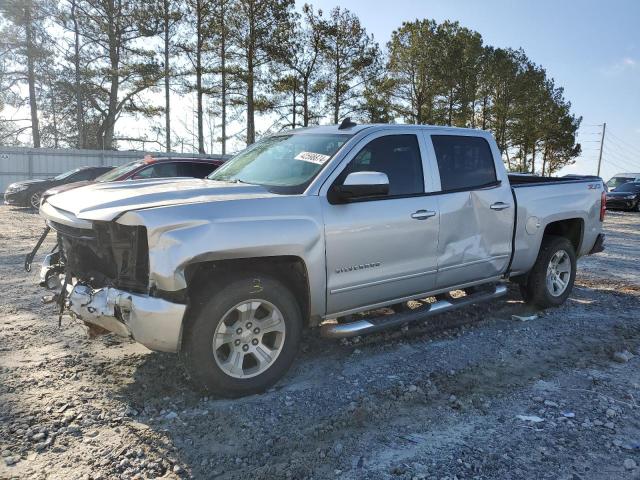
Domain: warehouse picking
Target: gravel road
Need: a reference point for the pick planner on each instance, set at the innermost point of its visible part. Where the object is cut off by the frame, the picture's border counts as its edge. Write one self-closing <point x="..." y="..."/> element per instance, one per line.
<point x="553" y="397"/>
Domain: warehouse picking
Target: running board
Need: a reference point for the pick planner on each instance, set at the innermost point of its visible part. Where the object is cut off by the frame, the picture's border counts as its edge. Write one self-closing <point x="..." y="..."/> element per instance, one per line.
<point x="384" y="322"/>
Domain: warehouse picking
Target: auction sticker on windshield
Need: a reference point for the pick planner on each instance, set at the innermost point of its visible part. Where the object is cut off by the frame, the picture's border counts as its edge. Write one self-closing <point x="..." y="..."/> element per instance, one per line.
<point x="312" y="157"/>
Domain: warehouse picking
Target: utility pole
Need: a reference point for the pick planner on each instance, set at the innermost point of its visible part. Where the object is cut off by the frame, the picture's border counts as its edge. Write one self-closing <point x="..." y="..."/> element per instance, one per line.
<point x="604" y="129"/>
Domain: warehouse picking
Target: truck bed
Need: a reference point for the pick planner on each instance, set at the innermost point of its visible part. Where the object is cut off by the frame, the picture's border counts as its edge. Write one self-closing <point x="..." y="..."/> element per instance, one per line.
<point x="541" y="201"/>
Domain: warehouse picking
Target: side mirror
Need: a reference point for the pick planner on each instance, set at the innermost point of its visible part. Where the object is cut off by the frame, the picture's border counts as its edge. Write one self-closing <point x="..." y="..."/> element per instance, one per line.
<point x="360" y="185"/>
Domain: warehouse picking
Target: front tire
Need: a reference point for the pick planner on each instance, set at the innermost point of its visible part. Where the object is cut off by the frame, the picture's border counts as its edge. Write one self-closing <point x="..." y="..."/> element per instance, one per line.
<point x="242" y="339"/>
<point x="551" y="279"/>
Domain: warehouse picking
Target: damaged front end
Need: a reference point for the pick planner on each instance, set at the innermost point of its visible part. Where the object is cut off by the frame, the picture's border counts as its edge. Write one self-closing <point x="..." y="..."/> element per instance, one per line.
<point x="108" y="255"/>
<point x="102" y="274"/>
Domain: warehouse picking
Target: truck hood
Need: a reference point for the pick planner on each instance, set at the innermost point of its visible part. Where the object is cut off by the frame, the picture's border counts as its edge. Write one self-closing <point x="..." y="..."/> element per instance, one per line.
<point x="106" y="201"/>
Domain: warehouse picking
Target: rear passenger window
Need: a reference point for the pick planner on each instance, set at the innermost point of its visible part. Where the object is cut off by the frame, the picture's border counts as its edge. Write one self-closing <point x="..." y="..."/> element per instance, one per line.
<point x="464" y="162"/>
<point x="396" y="155"/>
<point x="195" y="169"/>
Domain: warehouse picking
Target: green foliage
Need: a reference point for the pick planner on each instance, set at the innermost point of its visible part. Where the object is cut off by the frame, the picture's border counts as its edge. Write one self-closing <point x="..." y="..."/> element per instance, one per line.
<point x="445" y="76"/>
<point x="247" y="58"/>
<point x="350" y="56"/>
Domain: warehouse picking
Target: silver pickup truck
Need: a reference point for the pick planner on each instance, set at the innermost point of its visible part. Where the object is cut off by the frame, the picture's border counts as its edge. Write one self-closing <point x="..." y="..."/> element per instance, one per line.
<point x="324" y="227"/>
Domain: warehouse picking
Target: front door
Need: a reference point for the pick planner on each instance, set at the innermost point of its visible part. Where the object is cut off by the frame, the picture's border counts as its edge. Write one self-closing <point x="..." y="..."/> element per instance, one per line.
<point x="382" y="249"/>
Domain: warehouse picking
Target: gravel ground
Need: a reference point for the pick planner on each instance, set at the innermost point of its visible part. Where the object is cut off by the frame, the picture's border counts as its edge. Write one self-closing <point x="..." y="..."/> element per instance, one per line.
<point x="553" y="397"/>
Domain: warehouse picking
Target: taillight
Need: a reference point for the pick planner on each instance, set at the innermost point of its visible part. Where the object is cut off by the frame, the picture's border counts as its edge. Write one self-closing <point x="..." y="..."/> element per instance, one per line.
<point x="603" y="206"/>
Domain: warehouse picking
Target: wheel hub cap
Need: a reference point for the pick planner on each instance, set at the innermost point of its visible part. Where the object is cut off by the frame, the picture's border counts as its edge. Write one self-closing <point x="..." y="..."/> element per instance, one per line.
<point x="558" y="273"/>
<point x="249" y="338"/>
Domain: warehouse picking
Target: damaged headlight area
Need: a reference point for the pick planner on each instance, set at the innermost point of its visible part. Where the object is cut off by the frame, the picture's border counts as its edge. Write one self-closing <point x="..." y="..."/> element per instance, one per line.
<point x="108" y="255"/>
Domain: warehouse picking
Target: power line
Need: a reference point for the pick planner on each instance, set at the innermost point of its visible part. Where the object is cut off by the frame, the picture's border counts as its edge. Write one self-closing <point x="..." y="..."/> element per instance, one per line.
<point x="622" y="153"/>
<point x="621" y="147"/>
<point x="620" y="163"/>
<point x="619" y="154"/>
<point x="634" y="147"/>
<point x="622" y="169"/>
<point x="620" y="158"/>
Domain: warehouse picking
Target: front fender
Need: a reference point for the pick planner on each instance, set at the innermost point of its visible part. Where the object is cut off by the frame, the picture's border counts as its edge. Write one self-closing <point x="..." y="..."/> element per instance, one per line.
<point x="187" y="234"/>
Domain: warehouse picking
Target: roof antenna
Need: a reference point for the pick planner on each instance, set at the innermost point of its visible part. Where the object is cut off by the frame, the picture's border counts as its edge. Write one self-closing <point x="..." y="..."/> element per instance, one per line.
<point x="346" y="123"/>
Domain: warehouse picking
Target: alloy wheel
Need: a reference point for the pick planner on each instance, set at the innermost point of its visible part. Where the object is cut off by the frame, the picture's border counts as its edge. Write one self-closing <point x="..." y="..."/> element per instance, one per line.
<point x="35" y="200"/>
<point x="558" y="273"/>
<point x="249" y="338"/>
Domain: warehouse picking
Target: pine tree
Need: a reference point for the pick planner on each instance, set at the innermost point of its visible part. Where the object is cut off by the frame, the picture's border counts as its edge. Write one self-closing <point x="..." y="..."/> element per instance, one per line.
<point x="348" y="52"/>
<point x="259" y="39"/>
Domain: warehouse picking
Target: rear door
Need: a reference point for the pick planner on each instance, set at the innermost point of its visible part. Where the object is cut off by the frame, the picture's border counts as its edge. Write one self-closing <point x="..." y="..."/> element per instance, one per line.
<point x="476" y="210"/>
<point x="385" y="248"/>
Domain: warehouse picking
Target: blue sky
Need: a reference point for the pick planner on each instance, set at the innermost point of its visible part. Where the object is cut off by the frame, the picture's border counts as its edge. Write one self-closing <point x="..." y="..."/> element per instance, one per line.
<point x="591" y="48"/>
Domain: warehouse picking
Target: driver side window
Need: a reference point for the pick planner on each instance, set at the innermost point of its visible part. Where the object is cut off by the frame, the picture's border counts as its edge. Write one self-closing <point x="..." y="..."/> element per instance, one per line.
<point x="398" y="156"/>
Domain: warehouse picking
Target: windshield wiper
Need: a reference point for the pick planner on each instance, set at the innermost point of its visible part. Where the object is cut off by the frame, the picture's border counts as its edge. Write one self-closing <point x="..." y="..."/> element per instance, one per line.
<point x="237" y="180"/>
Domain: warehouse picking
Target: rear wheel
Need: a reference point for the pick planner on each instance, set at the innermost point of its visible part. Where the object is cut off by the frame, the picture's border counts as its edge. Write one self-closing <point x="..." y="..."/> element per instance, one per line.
<point x="244" y="337"/>
<point x="551" y="279"/>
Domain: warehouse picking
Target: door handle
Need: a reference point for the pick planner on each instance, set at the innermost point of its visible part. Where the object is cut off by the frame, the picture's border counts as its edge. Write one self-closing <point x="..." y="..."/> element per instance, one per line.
<point x="499" y="206"/>
<point x="423" y="214"/>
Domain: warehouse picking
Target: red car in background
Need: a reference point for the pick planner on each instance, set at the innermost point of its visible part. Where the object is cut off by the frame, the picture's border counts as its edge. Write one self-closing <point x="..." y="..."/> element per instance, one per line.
<point x="150" y="167"/>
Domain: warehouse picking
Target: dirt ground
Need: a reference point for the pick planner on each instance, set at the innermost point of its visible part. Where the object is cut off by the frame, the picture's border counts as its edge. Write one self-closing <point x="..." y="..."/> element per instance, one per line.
<point x="553" y="397"/>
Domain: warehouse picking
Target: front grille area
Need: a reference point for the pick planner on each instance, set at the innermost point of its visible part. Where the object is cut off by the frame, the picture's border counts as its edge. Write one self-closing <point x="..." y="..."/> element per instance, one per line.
<point x="107" y="255"/>
<point x="72" y="232"/>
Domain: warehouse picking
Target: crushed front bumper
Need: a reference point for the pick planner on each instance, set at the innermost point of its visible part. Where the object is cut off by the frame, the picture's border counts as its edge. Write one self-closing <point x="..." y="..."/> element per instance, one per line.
<point x="154" y="322"/>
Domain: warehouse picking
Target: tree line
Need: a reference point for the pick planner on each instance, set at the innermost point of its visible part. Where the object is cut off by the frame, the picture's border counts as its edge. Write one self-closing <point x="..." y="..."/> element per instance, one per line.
<point x="77" y="68"/>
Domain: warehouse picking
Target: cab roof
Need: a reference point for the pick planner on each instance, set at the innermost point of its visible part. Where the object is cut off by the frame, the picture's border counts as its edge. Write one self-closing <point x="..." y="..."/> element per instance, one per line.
<point x="356" y="128"/>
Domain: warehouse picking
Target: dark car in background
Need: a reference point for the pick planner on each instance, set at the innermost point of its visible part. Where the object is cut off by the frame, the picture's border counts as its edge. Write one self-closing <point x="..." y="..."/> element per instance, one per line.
<point x="151" y="167"/>
<point x="29" y="192"/>
<point x="624" y="197"/>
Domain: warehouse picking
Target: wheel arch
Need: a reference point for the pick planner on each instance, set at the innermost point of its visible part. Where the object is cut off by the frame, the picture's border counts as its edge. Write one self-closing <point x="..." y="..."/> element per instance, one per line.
<point x="571" y="228"/>
<point x="289" y="269"/>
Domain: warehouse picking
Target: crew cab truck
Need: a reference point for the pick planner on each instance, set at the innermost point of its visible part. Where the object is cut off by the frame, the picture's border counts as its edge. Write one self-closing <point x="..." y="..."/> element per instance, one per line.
<point x="303" y="229"/>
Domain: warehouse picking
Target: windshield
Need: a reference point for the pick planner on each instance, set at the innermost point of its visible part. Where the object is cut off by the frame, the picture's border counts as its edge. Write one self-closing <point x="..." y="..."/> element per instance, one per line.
<point x="64" y="175"/>
<point x="111" y="175"/>
<point x="617" y="181"/>
<point x="628" y="187"/>
<point x="282" y="160"/>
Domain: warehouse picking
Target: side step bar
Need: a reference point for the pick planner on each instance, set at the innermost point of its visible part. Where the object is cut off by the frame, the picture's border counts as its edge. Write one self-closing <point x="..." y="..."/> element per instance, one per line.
<point x="384" y="322"/>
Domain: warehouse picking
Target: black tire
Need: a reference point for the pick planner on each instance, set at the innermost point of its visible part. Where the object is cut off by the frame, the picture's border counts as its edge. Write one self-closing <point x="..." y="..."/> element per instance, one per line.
<point x="208" y="311"/>
<point x="536" y="290"/>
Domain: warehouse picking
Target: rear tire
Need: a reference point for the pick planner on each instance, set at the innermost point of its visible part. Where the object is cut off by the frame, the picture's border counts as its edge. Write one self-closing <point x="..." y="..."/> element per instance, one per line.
<point x="242" y="338"/>
<point x="551" y="279"/>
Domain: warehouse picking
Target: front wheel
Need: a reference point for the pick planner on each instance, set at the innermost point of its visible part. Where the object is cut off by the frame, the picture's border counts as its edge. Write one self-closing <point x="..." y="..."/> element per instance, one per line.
<point x="242" y="338"/>
<point x="551" y="279"/>
<point x="34" y="200"/>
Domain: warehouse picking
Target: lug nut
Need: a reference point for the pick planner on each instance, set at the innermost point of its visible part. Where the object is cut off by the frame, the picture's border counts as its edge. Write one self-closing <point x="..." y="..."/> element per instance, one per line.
<point x="237" y="342"/>
<point x="254" y="341"/>
<point x="245" y="347"/>
<point x="256" y="330"/>
<point x="249" y="324"/>
<point x="239" y="331"/>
